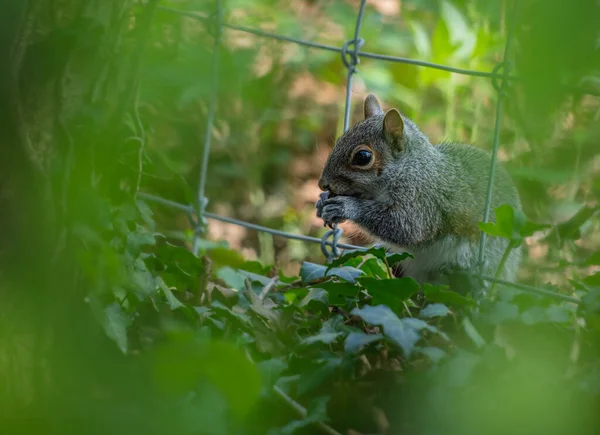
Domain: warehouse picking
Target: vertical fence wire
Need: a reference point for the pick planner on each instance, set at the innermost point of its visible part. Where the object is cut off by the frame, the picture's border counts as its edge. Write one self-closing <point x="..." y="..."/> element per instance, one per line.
<point x="351" y="64"/>
<point x="351" y="60"/>
<point x="501" y="94"/>
<point x="214" y="83"/>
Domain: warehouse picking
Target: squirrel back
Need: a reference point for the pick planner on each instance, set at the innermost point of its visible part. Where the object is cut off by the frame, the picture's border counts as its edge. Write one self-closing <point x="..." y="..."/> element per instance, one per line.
<point x="384" y="175"/>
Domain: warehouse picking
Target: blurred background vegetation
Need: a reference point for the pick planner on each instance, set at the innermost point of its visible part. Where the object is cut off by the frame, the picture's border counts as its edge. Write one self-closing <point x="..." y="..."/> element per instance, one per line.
<point x="102" y="99"/>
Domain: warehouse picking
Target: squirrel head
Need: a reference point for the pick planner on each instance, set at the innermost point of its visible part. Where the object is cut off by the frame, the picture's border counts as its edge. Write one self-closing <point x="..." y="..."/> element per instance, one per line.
<point x="362" y="153"/>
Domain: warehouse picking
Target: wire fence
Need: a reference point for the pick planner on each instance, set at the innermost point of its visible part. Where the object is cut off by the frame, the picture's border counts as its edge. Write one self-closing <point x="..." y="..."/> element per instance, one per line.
<point x="350" y="55"/>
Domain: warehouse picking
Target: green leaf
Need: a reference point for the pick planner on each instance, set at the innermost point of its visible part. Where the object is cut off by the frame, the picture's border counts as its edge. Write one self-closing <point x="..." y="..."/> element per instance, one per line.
<point x="341" y="260"/>
<point x="315" y="377"/>
<point x="271" y="370"/>
<point x="419" y="324"/>
<point x="323" y="337"/>
<point x="391" y="292"/>
<point x="314" y="294"/>
<point x="435" y="354"/>
<point x="115" y="324"/>
<point x="241" y="319"/>
<point x="511" y="224"/>
<point x="355" y="340"/>
<point x="592" y="280"/>
<point x="392" y="259"/>
<point x="553" y="313"/>
<point x="443" y="295"/>
<point x="593" y="260"/>
<point x="174" y="303"/>
<point x="473" y="334"/>
<point x="226" y="257"/>
<point x="570" y="230"/>
<point x="310" y="272"/>
<point x="253" y="277"/>
<point x="142" y="279"/>
<point x="138" y="238"/>
<point x="458" y="369"/>
<point x="374" y="267"/>
<point x="533" y="316"/>
<point x="339" y="291"/>
<point x="434" y="310"/>
<point x="404" y="336"/>
<point x="232" y="278"/>
<point x="460" y="33"/>
<point x="502" y="311"/>
<point x="184" y="362"/>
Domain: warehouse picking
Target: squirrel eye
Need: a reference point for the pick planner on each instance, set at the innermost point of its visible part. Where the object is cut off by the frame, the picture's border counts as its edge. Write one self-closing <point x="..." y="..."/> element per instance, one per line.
<point x="362" y="158"/>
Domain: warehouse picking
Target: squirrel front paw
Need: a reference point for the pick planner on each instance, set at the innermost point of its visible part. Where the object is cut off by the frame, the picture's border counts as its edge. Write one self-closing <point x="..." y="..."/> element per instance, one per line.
<point x="335" y="210"/>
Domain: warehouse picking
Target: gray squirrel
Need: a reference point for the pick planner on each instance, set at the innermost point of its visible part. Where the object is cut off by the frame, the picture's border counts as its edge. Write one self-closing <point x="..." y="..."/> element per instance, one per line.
<point x="385" y="176"/>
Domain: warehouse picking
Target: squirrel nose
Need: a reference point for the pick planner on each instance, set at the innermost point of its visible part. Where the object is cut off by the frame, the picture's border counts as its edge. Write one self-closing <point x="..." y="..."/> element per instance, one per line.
<point x="323" y="184"/>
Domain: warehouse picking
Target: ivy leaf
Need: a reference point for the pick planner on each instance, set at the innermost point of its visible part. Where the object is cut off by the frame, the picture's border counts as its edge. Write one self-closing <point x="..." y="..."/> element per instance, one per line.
<point x="226" y="257"/>
<point x="435" y="354"/>
<point x="502" y="311"/>
<point x="592" y="280"/>
<point x="511" y="224"/>
<point x="315" y="377"/>
<point x="310" y="272"/>
<point x="457" y="370"/>
<point x="375" y="268"/>
<point x="355" y="340"/>
<point x="174" y="303"/>
<point x="405" y="336"/>
<point x="391" y="292"/>
<point x="339" y="291"/>
<point x="419" y="324"/>
<point x="270" y="371"/>
<point x="593" y="260"/>
<point x="443" y="295"/>
<point x="232" y="278"/>
<point x="323" y="337"/>
<point x="145" y="212"/>
<point x="115" y="324"/>
<point x="263" y="280"/>
<point x="139" y="237"/>
<point x="142" y="279"/>
<point x="473" y="334"/>
<point x="434" y="310"/>
<point x="395" y="258"/>
<point x="341" y="260"/>
<point x="570" y="230"/>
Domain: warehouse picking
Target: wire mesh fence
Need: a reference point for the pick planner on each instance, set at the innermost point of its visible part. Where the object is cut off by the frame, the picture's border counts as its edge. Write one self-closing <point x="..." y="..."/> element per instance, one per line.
<point x="350" y="53"/>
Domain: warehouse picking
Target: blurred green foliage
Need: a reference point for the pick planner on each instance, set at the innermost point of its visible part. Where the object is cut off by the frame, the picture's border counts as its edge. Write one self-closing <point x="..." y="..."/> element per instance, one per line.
<point x="110" y="324"/>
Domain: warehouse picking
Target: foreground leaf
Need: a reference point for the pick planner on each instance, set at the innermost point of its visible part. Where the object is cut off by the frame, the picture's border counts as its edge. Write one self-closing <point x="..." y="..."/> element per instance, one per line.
<point x="403" y="335"/>
<point x="115" y="325"/>
<point x="391" y="292"/>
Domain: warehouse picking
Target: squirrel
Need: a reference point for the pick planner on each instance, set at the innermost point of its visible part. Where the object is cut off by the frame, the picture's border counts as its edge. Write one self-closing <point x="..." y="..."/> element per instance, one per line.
<point x="384" y="175"/>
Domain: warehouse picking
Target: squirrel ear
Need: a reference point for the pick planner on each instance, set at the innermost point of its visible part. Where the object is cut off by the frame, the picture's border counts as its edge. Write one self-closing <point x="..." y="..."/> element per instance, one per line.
<point x="371" y="106"/>
<point x="393" y="127"/>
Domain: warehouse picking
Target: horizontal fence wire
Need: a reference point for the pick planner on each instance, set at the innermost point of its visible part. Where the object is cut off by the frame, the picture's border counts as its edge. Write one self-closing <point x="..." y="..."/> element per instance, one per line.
<point x="366" y="54"/>
<point x="350" y="53"/>
<point x="189" y="209"/>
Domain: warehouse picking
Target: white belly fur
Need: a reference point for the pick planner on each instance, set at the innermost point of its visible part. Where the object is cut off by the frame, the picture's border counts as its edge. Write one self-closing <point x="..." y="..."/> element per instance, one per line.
<point x="429" y="261"/>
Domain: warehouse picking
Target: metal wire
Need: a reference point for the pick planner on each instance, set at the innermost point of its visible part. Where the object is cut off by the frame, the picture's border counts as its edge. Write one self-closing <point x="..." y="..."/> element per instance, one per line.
<point x="350" y="56"/>
<point x="366" y="54"/>
<point x="501" y="90"/>
<point x="191" y="210"/>
<point x="202" y="202"/>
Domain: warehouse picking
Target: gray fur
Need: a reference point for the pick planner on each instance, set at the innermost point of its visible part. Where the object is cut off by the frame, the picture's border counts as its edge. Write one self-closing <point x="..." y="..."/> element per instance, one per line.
<point x="422" y="198"/>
